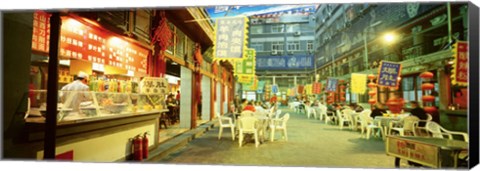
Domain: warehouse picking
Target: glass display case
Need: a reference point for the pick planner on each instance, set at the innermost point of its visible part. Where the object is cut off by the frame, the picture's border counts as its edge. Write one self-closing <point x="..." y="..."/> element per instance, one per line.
<point x="85" y="105"/>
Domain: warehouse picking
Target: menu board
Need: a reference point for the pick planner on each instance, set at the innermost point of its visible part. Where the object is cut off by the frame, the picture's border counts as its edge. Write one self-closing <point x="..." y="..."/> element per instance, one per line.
<point x="389" y="73"/>
<point x="41" y="31"/>
<point x="230" y="38"/>
<point x="94" y="44"/>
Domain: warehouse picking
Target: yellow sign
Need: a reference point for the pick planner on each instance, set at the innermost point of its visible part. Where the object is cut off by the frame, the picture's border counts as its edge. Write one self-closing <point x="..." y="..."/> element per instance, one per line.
<point x="359" y="83"/>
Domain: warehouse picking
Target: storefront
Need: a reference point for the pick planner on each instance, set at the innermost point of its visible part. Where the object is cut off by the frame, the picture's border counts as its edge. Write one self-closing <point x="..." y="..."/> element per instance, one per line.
<point x="126" y="87"/>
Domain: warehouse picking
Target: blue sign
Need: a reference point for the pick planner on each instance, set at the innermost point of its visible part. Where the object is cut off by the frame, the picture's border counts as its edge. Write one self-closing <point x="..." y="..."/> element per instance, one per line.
<point x="249" y="10"/>
<point x="284" y="62"/>
<point x="332" y="84"/>
<point x="261" y="85"/>
<point x="274" y="89"/>
<point x="388" y="74"/>
<point x="230" y="38"/>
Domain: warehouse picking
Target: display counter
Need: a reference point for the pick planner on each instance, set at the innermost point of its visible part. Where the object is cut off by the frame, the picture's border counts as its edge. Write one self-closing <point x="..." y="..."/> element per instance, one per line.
<point x="100" y="130"/>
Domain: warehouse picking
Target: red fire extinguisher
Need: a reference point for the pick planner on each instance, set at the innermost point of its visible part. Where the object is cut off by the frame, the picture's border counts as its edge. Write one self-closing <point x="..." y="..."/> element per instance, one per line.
<point x="145" y="145"/>
<point x="137" y="148"/>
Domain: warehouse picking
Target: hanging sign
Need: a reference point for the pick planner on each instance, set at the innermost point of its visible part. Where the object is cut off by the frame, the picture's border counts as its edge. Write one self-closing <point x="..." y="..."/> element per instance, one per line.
<point x="247" y="65"/>
<point x="389" y="72"/>
<point x="261" y="85"/>
<point x="460" y="66"/>
<point x="41" y="31"/>
<point x="245" y="78"/>
<point x="358" y="83"/>
<point x="332" y="84"/>
<point x="317" y="88"/>
<point x="274" y="89"/>
<point x="230" y="38"/>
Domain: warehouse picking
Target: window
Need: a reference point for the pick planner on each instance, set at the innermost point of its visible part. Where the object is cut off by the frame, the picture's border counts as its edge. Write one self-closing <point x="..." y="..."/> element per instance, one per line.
<point x="310" y="45"/>
<point x="257" y="46"/>
<point x="277" y="28"/>
<point x="256" y="29"/>
<point x="278" y="46"/>
<point x="293" y="46"/>
<point x="293" y="28"/>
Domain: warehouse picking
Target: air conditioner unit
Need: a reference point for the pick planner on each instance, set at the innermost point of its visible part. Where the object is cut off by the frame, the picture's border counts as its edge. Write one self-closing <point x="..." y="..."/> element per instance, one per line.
<point x="297" y="33"/>
<point x="274" y="52"/>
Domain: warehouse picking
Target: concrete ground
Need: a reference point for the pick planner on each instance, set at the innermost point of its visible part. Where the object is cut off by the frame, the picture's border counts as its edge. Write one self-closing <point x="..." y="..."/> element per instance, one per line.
<point x="311" y="143"/>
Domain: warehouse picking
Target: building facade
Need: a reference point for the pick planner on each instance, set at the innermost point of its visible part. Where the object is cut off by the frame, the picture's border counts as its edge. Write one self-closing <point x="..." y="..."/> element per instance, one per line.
<point x="349" y="39"/>
<point x="284" y="45"/>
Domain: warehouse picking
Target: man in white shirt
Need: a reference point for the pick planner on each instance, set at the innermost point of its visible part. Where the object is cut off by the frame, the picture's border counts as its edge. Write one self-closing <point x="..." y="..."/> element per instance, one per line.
<point x="73" y="99"/>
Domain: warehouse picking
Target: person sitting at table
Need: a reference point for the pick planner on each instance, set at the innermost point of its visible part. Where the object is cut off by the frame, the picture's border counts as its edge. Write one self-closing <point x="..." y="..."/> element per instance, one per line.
<point x="259" y="107"/>
<point x="356" y="107"/>
<point x="418" y="112"/>
<point x="249" y="107"/>
<point x="378" y="110"/>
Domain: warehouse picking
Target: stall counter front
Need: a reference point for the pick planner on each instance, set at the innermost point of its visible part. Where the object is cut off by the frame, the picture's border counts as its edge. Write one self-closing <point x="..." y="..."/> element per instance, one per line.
<point x="101" y="129"/>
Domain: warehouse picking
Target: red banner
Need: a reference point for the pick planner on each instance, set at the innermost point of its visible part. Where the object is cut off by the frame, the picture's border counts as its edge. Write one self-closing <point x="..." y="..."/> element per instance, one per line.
<point x="317" y="88"/>
<point x="95" y="44"/>
<point x="41" y="31"/>
<point x="300" y="89"/>
<point x="460" y="73"/>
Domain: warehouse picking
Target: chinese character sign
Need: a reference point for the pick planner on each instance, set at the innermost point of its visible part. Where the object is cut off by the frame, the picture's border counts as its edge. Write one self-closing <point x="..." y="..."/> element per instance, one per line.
<point x="245" y="78"/>
<point x="154" y="85"/>
<point x="332" y="84"/>
<point x="230" y="38"/>
<point x="388" y="74"/>
<point x="358" y="83"/>
<point x="41" y="31"/>
<point x="247" y="65"/>
<point x="460" y="67"/>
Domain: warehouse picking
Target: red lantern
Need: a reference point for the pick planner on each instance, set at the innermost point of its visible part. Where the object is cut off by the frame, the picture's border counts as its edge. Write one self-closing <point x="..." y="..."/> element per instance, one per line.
<point x="426" y="75"/>
<point x="428" y="98"/>
<point x="342" y="93"/>
<point x="427" y="86"/>
<point x="342" y="87"/>
<point x="372" y="101"/>
<point x="371" y="76"/>
<point x="372" y="85"/>
<point x="430" y="109"/>
<point x="342" y="99"/>
<point x="372" y="93"/>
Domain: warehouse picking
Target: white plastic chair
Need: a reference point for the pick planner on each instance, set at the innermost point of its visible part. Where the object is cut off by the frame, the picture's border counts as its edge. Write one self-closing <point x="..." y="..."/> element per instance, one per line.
<point x="227" y="124"/>
<point x="344" y="117"/>
<point x="421" y="130"/>
<point x="247" y="113"/>
<point x="369" y="126"/>
<point x="311" y="111"/>
<point x="247" y="125"/>
<point x="281" y="125"/>
<point x="322" y="114"/>
<point x="278" y="113"/>
<point x="438" y="131"/>
<point x="365" y="112"/>
<point x="406" y="125"/>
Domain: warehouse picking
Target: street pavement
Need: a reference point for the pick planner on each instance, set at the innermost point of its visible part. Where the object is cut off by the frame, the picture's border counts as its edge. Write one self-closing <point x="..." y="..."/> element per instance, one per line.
<point x="311" y="143"/>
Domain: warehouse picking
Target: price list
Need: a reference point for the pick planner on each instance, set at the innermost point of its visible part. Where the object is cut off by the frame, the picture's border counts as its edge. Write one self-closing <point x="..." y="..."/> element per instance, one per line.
<point x="94" y="44"/>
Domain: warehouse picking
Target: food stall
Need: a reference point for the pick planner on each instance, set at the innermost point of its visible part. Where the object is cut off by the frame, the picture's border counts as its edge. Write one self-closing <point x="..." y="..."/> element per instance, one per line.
<point x="426" y="151"/>
<point x="122" y="103"/>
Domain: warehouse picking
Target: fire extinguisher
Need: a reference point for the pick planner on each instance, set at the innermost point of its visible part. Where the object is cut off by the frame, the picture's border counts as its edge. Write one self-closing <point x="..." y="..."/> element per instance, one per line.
<point x="145" y="145"/>
<point x="137" y="148"/>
